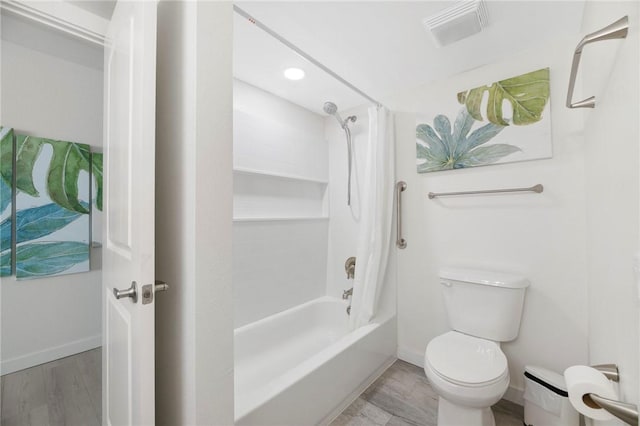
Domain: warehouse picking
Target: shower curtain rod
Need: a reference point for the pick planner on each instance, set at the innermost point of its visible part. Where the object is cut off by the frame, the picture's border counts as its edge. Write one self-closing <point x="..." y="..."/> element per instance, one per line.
<point x="301" y="52"/>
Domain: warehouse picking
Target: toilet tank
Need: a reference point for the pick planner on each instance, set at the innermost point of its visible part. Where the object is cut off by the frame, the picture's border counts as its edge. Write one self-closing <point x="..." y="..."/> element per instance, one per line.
<point x="482" y="303"/>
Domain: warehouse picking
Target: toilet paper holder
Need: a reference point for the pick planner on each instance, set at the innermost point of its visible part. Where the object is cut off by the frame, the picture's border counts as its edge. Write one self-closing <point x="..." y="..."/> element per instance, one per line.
<point x="610" y="371"/>
<point x="628" y="413"/>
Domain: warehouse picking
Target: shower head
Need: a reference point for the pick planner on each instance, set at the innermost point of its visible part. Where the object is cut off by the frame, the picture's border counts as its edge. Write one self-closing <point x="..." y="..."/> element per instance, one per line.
<point x="330" y="108"/>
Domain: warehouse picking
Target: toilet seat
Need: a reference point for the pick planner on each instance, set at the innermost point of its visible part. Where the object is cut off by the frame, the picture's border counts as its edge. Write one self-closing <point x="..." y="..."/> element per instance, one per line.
<point x="466" y="360"/>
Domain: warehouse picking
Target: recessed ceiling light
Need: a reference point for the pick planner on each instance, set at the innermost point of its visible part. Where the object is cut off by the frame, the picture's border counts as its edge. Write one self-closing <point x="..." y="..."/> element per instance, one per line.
<point x="294" y="73"/>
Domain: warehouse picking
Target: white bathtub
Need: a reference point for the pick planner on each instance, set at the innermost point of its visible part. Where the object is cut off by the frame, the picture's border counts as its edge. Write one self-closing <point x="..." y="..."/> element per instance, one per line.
<point x="301" y="367"/>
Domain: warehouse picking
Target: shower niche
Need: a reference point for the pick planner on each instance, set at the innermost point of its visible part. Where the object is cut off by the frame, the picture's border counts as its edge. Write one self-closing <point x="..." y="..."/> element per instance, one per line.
<point x="280" y="204"/>
<point x="280" y="159"/>
<point x="260" y="195"/>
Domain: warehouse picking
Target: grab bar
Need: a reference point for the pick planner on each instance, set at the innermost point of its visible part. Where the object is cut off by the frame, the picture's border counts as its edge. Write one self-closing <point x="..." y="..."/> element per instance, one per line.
<point x="400" y="187"/>
<point x="535" y="188"/>
<point x="618" y="29"/>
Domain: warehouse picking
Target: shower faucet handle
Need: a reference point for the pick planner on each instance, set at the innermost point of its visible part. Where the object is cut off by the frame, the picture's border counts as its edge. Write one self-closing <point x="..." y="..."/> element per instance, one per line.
<point x="350" y="267"/>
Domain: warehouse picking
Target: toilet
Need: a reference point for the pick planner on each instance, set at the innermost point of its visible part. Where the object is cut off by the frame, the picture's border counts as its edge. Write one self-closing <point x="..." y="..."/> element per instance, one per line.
<point x="466" y="366"/>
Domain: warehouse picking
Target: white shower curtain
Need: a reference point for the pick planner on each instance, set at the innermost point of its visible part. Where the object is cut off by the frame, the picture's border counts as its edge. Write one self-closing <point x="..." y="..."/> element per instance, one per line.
<point x="377" y="213"/>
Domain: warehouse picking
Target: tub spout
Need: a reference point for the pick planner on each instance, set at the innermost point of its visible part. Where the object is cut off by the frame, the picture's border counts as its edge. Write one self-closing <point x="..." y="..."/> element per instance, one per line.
<point x="347" y="293"/>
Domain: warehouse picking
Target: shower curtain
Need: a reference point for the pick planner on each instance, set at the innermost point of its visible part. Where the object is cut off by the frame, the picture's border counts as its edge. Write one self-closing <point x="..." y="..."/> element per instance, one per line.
<point x="377" y="213"/>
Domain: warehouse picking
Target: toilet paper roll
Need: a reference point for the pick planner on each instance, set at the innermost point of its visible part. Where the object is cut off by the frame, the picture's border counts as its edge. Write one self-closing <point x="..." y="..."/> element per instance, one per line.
<point x="581" y="381"/>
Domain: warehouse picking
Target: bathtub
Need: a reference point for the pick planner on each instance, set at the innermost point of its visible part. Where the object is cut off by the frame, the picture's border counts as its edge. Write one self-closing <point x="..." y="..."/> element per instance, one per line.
<point x="302" y="367"/>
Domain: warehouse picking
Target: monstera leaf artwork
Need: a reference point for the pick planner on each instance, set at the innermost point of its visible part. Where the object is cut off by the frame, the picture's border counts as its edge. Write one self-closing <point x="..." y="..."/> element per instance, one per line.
<point x="518" y="127"/>
<point x="527" y="94"/>
<point x="52" y="181"/>
<point x="444" y="149"/>
<point x="6" y="179"/>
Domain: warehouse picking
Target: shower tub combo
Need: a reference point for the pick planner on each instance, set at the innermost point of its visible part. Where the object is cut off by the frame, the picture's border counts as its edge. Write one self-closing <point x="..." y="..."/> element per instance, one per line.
<point x="303" y="366"/>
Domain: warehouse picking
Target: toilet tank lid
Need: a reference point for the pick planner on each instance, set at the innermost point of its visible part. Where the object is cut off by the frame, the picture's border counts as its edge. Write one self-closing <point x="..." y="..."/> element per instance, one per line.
<point x="476" y="276"/>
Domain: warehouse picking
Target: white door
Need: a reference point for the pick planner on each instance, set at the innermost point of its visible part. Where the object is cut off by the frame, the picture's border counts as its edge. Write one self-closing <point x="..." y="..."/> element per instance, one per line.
<point x="128" y="230"/>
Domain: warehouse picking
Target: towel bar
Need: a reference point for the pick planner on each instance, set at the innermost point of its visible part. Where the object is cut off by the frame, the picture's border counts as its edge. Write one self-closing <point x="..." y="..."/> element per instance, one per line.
<point x="535" y="188"/>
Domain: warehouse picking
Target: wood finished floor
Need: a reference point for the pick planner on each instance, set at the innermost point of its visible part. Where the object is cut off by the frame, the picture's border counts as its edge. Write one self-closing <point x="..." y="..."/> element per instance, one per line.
<point x="65" y="392"/>
<point x="402" y="396"/>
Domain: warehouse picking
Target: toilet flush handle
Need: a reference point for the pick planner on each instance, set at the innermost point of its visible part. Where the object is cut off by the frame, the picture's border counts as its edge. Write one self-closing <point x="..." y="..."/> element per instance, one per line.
<point x="445" y="283"/>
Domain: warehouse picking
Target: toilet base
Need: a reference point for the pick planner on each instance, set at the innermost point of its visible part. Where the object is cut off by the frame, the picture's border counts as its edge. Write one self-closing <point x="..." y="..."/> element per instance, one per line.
<point x="450" y="414"/>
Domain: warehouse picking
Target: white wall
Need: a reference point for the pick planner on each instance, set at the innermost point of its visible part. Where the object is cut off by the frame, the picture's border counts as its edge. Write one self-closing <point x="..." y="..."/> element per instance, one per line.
<point x="541" y="236"/>
<point x="51" y="87"/>
<point x="194" y="318"/>
<point x="280" y="204"/>
<point x="610" y="72"/>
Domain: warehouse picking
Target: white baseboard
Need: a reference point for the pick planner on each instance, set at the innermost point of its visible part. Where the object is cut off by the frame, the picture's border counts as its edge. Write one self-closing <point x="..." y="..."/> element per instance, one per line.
<point x="410" y="356"/>
<point x="49" y="354"/>
<point x="512" y="394"/>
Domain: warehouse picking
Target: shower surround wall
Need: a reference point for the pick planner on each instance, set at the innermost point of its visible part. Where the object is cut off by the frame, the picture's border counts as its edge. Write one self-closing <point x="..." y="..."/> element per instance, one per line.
<point x="280" y="204"/>
<point x="345" y="220"/>
<point x="344" y="226"/>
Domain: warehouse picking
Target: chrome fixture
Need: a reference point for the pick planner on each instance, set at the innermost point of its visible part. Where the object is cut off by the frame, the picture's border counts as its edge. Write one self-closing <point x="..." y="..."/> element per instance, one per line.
<point x="618" y="29"/>
<point x="628" y="413"/>
<point x="535" y="188"/>
<point x="332" y="109"/>
<point x="131" y="292"/>
<point x="400" y="187"/>
<point x="149" y="290"/>
<point x="610" y="371"/>
<point x="350" y="267"/>
<point x="347" y="293"/>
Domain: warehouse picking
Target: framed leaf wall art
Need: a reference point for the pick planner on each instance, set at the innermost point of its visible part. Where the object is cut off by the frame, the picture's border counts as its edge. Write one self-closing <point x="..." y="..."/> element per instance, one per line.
<point x="502" y="122"/>
<point x="52" y="207"/>
<point x="6" y="183"/>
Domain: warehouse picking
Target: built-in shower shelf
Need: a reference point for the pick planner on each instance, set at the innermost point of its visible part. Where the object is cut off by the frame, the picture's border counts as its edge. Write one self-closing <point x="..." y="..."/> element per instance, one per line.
<point x="279" y="219"/>
<point x="259" y="195"/>
<point x="264" y="173"/>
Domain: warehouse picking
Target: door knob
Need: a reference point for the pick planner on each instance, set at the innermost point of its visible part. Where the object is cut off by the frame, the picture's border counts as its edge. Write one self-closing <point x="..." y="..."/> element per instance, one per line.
<point x="130" y="292"/>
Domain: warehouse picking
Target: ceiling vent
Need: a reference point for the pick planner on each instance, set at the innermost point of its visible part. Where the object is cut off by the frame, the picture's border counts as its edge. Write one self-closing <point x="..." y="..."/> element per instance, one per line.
<point x="459" y="21"/>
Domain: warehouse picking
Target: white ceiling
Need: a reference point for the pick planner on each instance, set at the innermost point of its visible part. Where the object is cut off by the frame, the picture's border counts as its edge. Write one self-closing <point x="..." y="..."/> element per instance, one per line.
<point x="381" y="47"/>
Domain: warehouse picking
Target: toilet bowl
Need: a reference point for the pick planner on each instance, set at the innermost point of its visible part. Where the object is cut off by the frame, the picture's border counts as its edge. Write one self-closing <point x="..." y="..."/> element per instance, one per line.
<point x="469" y="374"/>
<point x="466" y="366"/>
